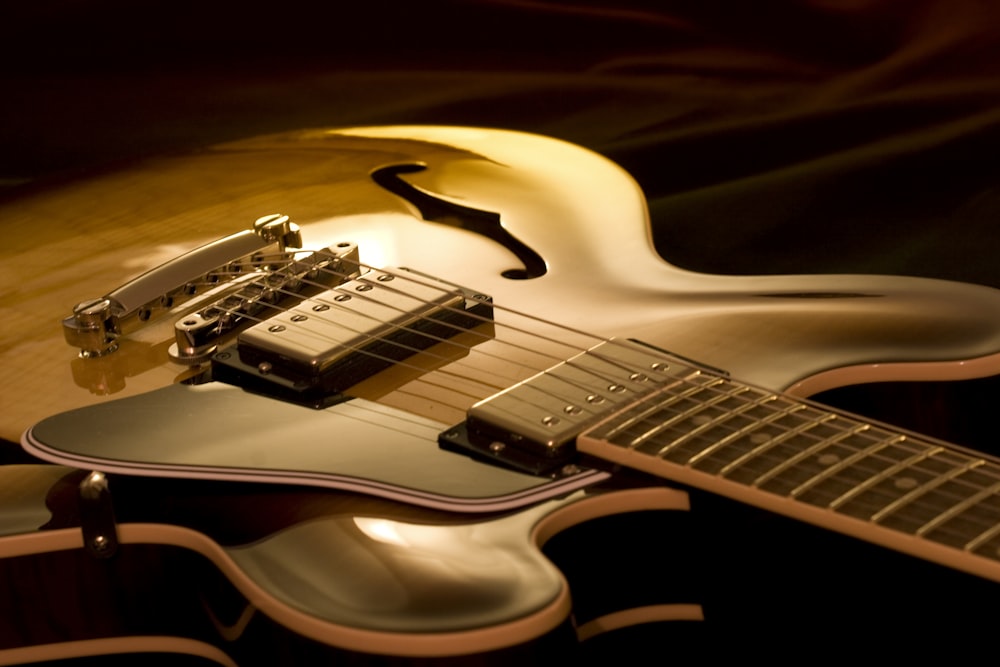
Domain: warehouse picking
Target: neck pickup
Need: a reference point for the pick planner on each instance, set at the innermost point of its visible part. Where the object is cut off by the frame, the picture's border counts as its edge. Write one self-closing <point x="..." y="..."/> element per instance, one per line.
<point x="691" y="425"/>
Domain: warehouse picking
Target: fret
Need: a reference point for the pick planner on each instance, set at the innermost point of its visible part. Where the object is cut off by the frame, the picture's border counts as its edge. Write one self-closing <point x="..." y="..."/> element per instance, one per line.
<point x="843" y="465"/>
<point x="626" y="421"/>
<point x="749" y="430"/>
<point x="769" y="444"/>
<point x="674" y="418"/>
<point x="697" y="407"/>
<point x="987" y="538"/>
<point x="698" y="432"/>
<point x="970" y="523"/>
<point x="808" y="461"/>
<point x="763" y="445"/>
<point x="922" y="490"/>
<point x="887" y="475"/>
<point x="686" y="441"/>
<point x="792" y="462"/>
<point x="825" y="462"/>
<point x="916" y="494"/>
<point x="692" y="444"/>
<point x="820" y="458"/>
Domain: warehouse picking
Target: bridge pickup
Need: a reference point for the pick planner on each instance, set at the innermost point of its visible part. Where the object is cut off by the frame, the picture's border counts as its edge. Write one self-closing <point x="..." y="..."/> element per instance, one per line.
<point x="259" y="294"/>
<point x="313" y="353"/>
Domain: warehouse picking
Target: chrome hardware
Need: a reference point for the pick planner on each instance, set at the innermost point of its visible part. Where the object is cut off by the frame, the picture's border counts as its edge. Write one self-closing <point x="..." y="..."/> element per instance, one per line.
<point x="198" y="335"/>
<point x="278" y="228"/>
<point x="97" y="516"/>
<point x="95" y="325"/>
<point x="327" y="343"/>
<point x="582" y="390"/>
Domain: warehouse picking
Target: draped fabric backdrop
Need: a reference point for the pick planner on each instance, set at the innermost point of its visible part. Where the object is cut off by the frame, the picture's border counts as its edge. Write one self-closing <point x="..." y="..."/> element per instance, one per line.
<point x="775" y="136"/>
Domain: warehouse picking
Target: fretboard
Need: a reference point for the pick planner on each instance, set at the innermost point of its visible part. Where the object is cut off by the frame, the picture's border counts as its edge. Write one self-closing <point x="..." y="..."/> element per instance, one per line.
<point x="803" y="460"/>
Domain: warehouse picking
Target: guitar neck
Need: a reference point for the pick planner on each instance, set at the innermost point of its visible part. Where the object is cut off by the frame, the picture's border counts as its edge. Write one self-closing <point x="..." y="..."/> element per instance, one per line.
<point x="799" y="459"/>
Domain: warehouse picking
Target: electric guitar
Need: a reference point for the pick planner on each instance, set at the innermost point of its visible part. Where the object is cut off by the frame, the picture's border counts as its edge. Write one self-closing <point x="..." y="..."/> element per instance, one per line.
<point x="356" y="424"/>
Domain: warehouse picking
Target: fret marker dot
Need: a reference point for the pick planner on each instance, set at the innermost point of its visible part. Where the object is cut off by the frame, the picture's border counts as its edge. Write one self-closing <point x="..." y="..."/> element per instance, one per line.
<point x="905" y="483"/>
<point x="700" y="420"/>
<point x="828" y="459"/>
<point x="760" y="438"/>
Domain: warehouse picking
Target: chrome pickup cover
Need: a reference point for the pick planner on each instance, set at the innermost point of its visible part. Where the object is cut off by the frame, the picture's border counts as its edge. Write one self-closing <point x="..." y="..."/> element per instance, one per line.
<point x="325" y="344"/>
<point x="542" y="415"/>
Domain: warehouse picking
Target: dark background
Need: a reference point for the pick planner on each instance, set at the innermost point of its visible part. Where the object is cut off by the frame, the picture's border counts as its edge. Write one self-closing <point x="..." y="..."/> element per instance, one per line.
<point x="773" y="136"/>
<point x="770" y="137"/>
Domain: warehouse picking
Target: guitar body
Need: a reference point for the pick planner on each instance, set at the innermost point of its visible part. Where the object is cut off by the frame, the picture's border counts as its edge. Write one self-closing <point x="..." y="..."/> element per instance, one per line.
<point x="586" y="218"/>
<point x="396" y="575"/>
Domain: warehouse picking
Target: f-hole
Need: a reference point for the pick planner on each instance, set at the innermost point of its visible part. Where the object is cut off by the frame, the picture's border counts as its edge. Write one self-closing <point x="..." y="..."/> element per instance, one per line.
<point x="484" y="223"/>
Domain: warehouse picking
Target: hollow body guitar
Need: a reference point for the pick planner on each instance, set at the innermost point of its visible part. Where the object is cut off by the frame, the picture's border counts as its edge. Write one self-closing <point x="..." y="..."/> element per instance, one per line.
<point x="365" y="446"/>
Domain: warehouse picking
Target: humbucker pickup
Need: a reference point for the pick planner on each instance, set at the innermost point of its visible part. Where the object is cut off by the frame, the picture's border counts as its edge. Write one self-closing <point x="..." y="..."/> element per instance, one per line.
<point x="256" y="296"/>
<point x="533" y="425"/>
<point x="312" y="353"/>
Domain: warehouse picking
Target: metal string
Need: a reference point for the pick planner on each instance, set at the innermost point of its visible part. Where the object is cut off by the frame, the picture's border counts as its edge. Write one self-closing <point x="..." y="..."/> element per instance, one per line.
<point x="866" y="464"/>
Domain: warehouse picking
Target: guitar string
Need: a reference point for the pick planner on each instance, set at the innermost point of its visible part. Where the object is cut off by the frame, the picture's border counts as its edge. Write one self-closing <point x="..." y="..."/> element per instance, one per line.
<point x="404" y="275"/>
<point x="914" y="439"/>
<point x="425" y="379"/>
<point x="764" y="453"/>
<point x="359" y="348"/>
<point x="485" y="319"/>
<point x="355" y="348"/>
<point x="932" y="474"/>
<point x="922" y="501"/>
<point x="413" y="277"/>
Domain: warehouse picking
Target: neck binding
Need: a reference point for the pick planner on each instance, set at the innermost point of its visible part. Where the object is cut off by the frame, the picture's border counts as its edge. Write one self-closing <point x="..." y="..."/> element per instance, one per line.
<point x="809" y="462"/>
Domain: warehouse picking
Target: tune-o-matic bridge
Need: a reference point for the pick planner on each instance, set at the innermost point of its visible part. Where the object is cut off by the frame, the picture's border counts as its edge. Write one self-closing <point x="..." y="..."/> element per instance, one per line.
<point x="96" y="325"/>
<point x="312" y="353"/>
